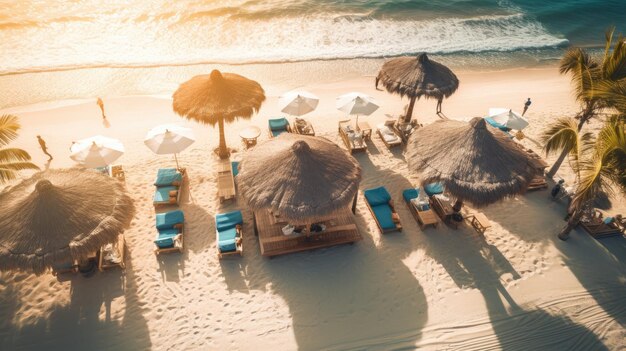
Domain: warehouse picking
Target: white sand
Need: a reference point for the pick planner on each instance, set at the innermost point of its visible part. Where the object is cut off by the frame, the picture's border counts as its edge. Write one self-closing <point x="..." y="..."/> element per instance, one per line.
<point x="518" y="288"/>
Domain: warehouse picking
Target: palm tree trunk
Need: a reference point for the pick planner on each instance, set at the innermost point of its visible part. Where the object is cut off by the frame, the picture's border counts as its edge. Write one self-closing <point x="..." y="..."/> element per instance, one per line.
<point x="409" y="111"/>
<point x="223" y="150"/>
<point x="557" y="164"/>
<point x="572" y="222"/>
<point x="587" y="113"/>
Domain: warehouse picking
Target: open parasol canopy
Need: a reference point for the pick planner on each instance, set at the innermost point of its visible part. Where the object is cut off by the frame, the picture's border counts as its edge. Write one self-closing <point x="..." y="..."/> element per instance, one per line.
<point x="168" y="139"/>
<point x="356" y="104"/>
<point x="302" y="177"/>
<point x="506" y="118"/>
<point x="58" y="216"/>
<point x="216" y="98"/>
<point x="416" y="77"/>
<point x="475" y="162"/>
<point x="298" y="103"/>
<point x="97" y="151"/>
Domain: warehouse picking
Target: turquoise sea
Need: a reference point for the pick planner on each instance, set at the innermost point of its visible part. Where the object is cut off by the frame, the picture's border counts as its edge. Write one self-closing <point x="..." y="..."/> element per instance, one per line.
<point x="56" y="35"/>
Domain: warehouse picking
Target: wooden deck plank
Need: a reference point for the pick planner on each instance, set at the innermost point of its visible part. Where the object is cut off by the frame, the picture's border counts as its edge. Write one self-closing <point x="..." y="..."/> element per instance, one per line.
<point x="341" y="229"/>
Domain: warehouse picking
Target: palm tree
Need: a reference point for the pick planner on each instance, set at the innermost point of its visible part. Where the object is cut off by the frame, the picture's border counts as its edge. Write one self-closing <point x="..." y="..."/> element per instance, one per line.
<point x="587" y="76"/>
<point x="600" y="166"/>
<point x="12" y="160"/>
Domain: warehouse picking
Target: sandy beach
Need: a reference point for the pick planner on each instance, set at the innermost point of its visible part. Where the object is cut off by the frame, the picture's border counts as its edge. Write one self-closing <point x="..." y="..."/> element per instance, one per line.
<point x="516" y="288"/>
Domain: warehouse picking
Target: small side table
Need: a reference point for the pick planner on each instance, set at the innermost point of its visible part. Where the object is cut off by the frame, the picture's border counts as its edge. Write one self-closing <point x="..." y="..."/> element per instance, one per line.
<point x="365" y="128"/>
<point x="249" y="136"/>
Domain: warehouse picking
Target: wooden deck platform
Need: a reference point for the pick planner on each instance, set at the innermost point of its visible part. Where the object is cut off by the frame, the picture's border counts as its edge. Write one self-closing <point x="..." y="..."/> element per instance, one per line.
<point x="340" y="229"/>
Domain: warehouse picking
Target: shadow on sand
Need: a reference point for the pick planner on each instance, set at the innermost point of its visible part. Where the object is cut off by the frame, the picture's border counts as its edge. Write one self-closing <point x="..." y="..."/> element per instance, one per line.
<point x="80" y="325"/>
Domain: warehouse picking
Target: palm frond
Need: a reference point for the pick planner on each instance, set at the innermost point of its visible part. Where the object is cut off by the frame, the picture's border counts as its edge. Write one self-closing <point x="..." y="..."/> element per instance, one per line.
<point x="9" y="125"/>
<point x="608" y="39"/>
<point x="13" y="155"/>
<point x="561" y="135"/>
<point x="614" y="64"/>
<point x="613" y="93"/>
<point x="8" y="171"/>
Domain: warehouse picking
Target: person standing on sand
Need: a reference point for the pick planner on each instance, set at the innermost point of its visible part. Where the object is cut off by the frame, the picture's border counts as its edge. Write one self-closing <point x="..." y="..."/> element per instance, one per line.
<point x="101" y="105"/>
<point x="44" y="148"/>
<point x="526" y="106"/>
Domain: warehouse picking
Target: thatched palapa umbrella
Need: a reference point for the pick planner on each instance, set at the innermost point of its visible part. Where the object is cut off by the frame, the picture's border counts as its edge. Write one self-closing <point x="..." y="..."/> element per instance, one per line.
<point x="475" y="162"/>
<point x="218" y="97"/>
<point x="303" y="177"/>
<point x="416" y="77"/>
<point x="58" y="216"/>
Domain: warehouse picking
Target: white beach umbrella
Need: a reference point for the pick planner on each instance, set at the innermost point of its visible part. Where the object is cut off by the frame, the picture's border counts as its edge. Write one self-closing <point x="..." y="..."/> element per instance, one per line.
<point x="168" y="139"/>
<point x="298" y="103"/>
<point x="356" y="104"/>
<point x="508" y="118"/>
<point x="97" y="151"/>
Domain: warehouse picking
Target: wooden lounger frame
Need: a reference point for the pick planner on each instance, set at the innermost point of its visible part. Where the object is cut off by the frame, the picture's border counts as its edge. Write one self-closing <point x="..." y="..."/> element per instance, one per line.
<point x="287" y="130"/>
<point x="346" y="139"/>
<point x="296" y="130"/>
<point x="601" y="230"/>
<point x="416" y="214"/>
<point x="179" y="188"/>
<point x="238" y="244"/>
<point x="398" y="227"/>
<point x="179" y="243"/>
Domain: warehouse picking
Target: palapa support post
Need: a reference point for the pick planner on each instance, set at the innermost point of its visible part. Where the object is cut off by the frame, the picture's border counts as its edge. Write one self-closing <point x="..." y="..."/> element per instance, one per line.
<point x="409" y="111"/>
<point x="354" y="203"/>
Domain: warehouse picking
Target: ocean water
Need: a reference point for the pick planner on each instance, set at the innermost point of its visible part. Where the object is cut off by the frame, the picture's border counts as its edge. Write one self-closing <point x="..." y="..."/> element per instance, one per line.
<point x="60" y="35"/>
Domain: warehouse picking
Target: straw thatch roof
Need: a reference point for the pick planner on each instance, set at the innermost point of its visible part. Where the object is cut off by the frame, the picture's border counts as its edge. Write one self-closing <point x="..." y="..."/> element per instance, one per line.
<point x="302" y="177"/>
<point x="57" y="216"/>
<point x="206" y="98"/>
<point x="417" y="76"/>
<point x="476" y="163"/>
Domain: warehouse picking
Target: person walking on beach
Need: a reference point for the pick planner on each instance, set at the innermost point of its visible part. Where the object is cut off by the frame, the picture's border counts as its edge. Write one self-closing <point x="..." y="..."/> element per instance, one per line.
<point x="44" y="147"/>
<point x="526" y="106"/>
<point x="101" y="105"/>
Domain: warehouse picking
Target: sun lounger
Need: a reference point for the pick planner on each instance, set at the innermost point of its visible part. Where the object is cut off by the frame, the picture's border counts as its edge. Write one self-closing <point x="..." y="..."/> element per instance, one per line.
<point x="379" y="203"/>
<point x="422" y="212"/>
<point x="353" y="140"/>
<point x="277" y="126"/>
<point x="225" y="181"/>
<point x="433" y="189"/>
<point x="443" y="207"/>
<point x="601" y="228"/>
<point x="168" y="184"/>
<point x="229" y="233"/>
<point x="387" y="133"/>
<point x="303" y="127"/>
<point x="170" y="231"/>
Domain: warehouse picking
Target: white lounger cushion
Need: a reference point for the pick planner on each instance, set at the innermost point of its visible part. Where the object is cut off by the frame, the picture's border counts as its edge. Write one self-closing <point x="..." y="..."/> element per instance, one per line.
<point x="388" y="134"/>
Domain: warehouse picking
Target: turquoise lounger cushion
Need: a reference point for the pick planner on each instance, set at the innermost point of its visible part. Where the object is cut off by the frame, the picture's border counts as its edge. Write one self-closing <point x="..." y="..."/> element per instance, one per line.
<point x="162" y="193"/>
<point x="167" y="176"/>
<point x="497" y="125"/>
<point x="235" y="167"/>
<point x="278" y="124"/>
<point x="433" y="189"/>
<point x="410" y="194"/>
<point x="224" y="221"/>
<point x="166" y="238"/>
<point x="228" y="234"/>
<point x="383" y="214"/>
<point x="377" y="196"/>
<point x="168" y="219"/>
<point x="227" y="245"/>
<point x="276" y="133"/>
